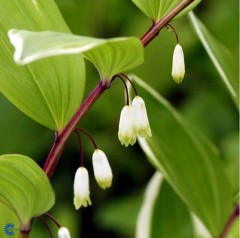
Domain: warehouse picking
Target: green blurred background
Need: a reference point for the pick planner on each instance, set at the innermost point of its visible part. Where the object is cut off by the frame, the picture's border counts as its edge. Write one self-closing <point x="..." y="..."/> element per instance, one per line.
<point x="201" y="98"/>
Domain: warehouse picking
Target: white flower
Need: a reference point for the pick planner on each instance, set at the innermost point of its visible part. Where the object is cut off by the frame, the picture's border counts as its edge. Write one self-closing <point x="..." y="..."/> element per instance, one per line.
<point x="178" y="66"/>
<point x="63" y="232"/>
<point x="141" y="118"/>
<point x="127" y="132"/>
<point x="102" y="169"/>
<point x="81" y="188"/>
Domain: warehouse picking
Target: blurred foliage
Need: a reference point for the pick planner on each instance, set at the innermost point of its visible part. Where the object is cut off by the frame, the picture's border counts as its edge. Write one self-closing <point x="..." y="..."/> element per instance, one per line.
<point x="201" y="97"/>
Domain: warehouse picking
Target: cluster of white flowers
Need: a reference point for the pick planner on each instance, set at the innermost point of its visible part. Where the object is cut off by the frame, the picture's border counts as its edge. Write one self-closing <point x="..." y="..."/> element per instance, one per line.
<point x="133" y="122"/>
<point x="102" y="174"/>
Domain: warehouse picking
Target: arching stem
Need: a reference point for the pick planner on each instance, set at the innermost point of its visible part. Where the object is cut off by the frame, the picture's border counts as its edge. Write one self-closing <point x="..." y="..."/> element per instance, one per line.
<point x="63" y="136"/>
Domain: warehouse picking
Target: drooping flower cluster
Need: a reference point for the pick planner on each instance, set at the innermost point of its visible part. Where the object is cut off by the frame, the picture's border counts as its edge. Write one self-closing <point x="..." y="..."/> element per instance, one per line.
<point x="133" y="122"/>
<point x="102" y="174"/>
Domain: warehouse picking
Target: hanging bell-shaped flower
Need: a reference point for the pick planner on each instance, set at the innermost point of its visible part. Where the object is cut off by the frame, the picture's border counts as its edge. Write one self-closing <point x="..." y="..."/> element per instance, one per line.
<point x="141" y="118"/>
<point x="178" y="65"/>
<point x="102" y="169"/>
<point x="63" y="232"/>
<point x="81" y="188"/>
<point x="127" y="132"/>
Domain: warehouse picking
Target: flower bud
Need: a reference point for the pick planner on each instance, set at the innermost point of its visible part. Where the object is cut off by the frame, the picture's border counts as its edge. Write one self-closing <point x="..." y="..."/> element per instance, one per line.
<point x="178" y="66"/>
<point x="81" y="188"/>
<point x="127" y="132"/>
<point x="141" y="118"/>
<point x="102" y="169"/>
<point x="63" y="232"/>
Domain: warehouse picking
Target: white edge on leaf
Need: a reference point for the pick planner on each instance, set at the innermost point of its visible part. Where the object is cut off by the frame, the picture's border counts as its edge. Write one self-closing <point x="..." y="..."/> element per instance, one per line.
<point x="17" y="40"/>
<point x="144" y="219"/>
<point x="210" y="53"/>
<point x="200" y="230"/>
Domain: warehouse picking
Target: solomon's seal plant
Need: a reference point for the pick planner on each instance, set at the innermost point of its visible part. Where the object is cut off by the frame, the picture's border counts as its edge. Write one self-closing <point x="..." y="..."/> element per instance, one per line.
<point x="42" y="72"/>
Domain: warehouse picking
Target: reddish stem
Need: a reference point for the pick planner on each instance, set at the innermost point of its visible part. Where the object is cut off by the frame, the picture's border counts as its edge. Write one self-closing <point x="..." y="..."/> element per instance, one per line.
<point x="176" y="35"/>
<point x="89" y="136"/>
<point x="130" y="81"/>
<point x="126" y="89"/>
<point x="62" y="137"/>
<point x="53" y="219"/>
<point x="157" y="26"/>
<point x="47" y="226"/>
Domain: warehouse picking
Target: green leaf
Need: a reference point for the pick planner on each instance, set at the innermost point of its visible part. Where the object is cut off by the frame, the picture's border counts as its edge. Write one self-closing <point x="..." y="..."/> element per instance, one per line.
<point x="161" y="211"/>
<point x="110" y="57"/>
<point x="230" y="148"/>
<point x="187" y="160"/>
<point x="49" y="91"/>
<point x="156" y="9"/>
<point x="220" y="56"/>
<point x="24" y="188"/>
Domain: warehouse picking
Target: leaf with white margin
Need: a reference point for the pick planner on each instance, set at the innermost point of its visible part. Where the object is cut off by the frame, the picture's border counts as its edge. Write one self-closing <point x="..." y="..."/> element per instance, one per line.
<point x="143" y="228"/>
<point x="49" y="91"/>
<point x="200" y="230"/>
<point x="222" y="59"/>
<point x="156" y="9"/>
<point x="24" y="188"/>
<point x="188" y="161"/>
<point x="162" y="210"/>
<point x="110" y="57"/>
